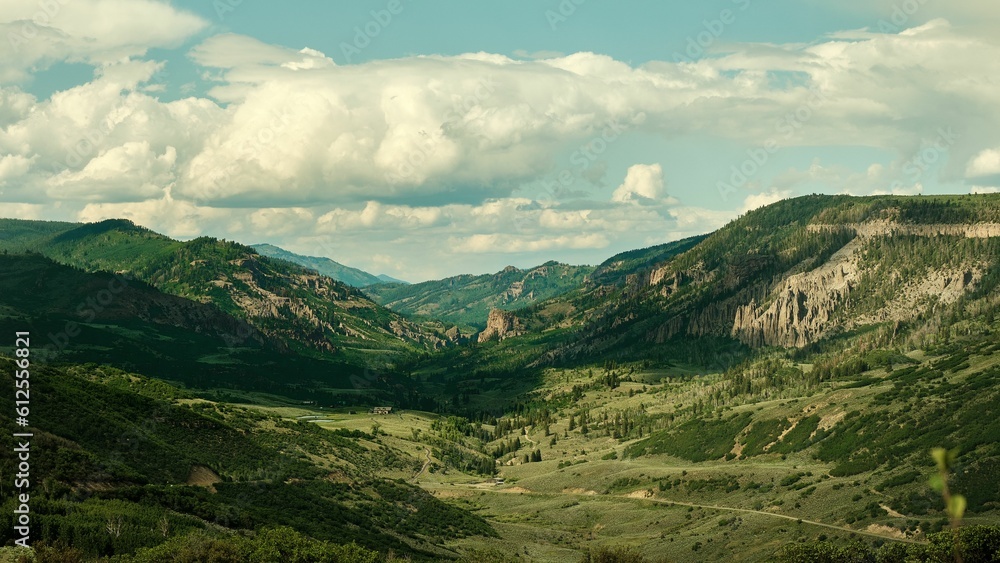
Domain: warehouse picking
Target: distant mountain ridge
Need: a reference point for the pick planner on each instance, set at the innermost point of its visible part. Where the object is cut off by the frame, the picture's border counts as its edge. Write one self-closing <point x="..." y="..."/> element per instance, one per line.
<point x="325" y="266"/>
<point x="306" y="311"/>
<point x="468" y="299"/>
<point x="791" y="274"/>
<point x="389" y="279"/>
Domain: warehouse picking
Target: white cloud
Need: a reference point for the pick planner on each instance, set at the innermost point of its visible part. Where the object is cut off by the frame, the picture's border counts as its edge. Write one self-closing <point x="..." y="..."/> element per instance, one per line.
<point x="166" y="215"/>
<point x="13" y="166"/>
<point x="756" y="201"/>
<point x="104" y="140"/>
<point x="914" y="189"/>
<point x="405" y="157"/>
<point x="642" y="182"/>
<point x="37" y="34"/>
<point x="508" y="244"/>
<point x="298" y="128"/>
<point x="378" y="216"/>
<point x="30" y="211"/>
<point x="132" y="171"/>
<point x="251" y="59"/>
<point x="986" y="163"/>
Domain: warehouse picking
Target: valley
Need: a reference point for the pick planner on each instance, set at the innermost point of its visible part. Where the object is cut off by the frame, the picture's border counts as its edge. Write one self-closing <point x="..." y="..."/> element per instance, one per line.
<point x="771" y="391"/>
<point x="591" y="490"/>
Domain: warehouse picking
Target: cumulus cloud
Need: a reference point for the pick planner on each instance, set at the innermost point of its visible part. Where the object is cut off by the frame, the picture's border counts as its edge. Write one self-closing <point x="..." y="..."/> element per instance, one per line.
<point x="392" y="157"/>
<point x="104" y="140"/>
<point x="132" y="170"/>
<point x="643" y="182"/>
<point x="37" y="34"/>
<point x="508" y="244"/>
<point x="756" y="201"/>
<point x="289" y="127"/>
<point x="983" y="165"/>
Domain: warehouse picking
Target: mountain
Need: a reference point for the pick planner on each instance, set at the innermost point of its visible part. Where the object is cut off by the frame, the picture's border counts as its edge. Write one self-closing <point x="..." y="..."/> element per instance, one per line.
<point x="467" y="299"/>
<point x="389" y="279"/>
<point x="817" y="380"/>
<point x="324" y="266"/>
<point x="800" y="383"/>
<point x="617" y="269"/>
<point x="129" y="466"/>
<point x="793" y="274"/>
<point x="308" y="312"/>
<point x="79" y="317"/>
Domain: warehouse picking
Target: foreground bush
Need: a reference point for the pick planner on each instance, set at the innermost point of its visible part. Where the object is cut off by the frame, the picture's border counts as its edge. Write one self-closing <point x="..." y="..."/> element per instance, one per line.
<point x="972" y="544"/>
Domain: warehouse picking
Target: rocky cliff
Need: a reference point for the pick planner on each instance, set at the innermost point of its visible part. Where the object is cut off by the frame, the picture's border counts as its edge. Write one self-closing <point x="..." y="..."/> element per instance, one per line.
<point x="789" y="275"/>
<point x="500" y="325"/>
<point x="805" y="307"/>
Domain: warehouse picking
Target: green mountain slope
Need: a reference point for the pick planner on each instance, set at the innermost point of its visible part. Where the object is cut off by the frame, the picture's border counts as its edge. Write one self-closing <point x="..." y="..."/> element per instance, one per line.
<point x="792" y="274"/>
<point x="81" y="317"/>
<point x="121" y="463"/>
<point x="617" y="269"/>
<point x="771" y="391"/>
<point x="467" y="299"/>
<point x="308" y="312"/>
<point x="324" y="266"/>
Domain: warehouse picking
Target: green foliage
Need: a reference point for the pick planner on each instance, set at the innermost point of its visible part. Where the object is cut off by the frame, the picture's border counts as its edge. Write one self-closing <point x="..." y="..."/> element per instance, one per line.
<point x="696" y="440"/>
<point x="615" y="270"/>
<point x="898" y="480"/>
<point x="973" y="544"/>
<point x="798" y="438"/>
<point x="964" y="415"/>
<point x="270" y="545"/>
<point x="613" y="555"/>
<point x="127" y="434"/>
<point x="491" y="555"/>
<point x="761" y="434"/>
<point x="467" y="299"/>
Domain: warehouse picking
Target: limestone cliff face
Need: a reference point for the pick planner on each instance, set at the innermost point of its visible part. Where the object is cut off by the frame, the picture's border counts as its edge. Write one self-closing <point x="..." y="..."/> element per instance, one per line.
<point x="805" y="307"/>
<point x="501" y="324"/>
<point x="888" y="227"/>
<point x="801" y="308"/>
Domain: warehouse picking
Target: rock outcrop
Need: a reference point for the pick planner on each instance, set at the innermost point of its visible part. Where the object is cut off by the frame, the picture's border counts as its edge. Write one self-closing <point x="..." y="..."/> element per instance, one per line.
<point x="801" y="309"/>
<point x="500" y="325"/>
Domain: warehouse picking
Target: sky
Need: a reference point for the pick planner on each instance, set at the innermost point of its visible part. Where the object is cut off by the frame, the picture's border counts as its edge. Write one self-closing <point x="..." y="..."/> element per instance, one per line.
<point x="426" y="139"/>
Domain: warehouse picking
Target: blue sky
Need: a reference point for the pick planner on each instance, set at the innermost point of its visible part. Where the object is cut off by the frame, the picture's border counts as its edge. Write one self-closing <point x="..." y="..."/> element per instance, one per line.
<point x="425" y="139"/>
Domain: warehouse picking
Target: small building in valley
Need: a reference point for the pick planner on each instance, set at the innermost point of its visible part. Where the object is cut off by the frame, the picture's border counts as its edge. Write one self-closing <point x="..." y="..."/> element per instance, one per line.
<point x="382" y="410"/>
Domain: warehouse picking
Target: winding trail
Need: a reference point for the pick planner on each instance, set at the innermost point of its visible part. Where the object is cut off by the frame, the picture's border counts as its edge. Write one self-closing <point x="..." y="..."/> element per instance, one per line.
<point x="427" y="452"/>
<point x="714" y="507"/>
<point x="785" y="516"/>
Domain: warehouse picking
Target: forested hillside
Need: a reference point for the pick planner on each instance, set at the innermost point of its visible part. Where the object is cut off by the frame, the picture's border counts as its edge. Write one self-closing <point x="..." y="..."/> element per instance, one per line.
<point x="466" y="300"/>
<point x="795" y="274"/>
<point x="775" y="390"/>
<point x="122" y="463"/>
<point x="310" y="313"/>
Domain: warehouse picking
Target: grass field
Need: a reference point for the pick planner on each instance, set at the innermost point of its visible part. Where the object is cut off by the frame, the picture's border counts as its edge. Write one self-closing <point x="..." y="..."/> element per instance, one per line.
<point x="586" y="492"/>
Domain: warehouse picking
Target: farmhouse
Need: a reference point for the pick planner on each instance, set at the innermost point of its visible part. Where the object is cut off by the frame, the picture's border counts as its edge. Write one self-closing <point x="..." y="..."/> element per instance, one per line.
<point x="382" y="410"/>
